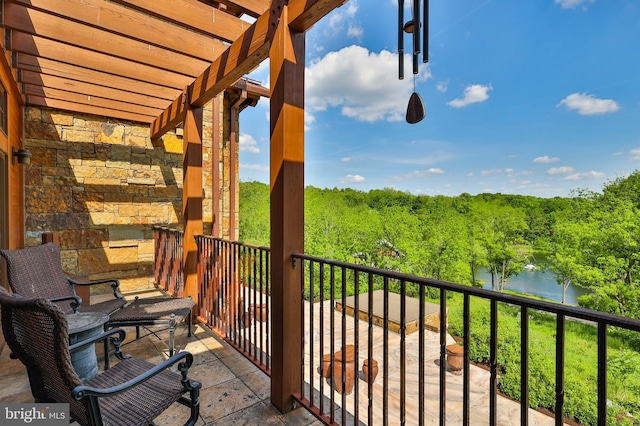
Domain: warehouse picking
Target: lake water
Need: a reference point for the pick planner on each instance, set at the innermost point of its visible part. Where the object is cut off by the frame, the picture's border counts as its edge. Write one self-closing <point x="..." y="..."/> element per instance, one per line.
<point x="538" y="283"/>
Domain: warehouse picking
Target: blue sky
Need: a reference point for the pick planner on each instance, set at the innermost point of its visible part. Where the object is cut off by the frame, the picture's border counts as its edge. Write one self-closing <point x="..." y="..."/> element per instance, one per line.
<point x="536" y="97"/>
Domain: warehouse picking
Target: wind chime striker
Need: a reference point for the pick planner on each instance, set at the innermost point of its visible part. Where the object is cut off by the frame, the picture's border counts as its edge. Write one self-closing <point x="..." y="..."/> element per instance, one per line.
<point x="415" y="110"/>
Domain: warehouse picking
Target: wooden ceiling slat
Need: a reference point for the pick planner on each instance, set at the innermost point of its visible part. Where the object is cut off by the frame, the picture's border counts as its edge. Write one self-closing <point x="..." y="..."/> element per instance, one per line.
<point x="63" y="95"/>
<point x="193" y="14"/>
<point x="31" y="21"/>
<point x="60" y="69"/>
<point x="38" y="46"/>
<point x="87" y="109"/>
<point x="241" y="57"/>
<point x="132" y="23"/>
<point x="86" y="89"/>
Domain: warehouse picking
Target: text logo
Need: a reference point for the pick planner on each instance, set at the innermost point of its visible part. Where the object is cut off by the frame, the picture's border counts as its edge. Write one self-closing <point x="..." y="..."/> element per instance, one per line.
<point x="34" y="414"/>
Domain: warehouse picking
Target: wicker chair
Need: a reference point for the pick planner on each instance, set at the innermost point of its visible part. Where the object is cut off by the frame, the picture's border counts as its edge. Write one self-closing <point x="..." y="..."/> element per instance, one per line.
<point x="36" y="272"/>
<point x="133" y="392"/>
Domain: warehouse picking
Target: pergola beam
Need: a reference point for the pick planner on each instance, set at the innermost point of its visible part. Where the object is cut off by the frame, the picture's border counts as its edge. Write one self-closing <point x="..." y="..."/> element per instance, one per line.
<point x="244" y="54"/>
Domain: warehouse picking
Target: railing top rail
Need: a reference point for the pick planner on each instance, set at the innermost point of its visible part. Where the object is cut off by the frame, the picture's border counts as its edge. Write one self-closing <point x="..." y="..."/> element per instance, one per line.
<point x="570" y="311"/>
<point x="240" y="243"/>
<point x="166" y="228"/>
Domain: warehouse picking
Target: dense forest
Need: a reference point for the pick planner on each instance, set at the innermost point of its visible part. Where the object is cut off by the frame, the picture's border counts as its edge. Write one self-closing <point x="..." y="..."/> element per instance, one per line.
<point x="590" y="239"/>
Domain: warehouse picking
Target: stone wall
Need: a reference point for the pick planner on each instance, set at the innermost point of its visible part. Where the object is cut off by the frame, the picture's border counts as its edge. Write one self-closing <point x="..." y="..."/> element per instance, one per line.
<point x="102" y="186"/>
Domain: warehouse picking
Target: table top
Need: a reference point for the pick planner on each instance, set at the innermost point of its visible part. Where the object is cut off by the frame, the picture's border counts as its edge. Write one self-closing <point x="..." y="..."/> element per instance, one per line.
<point x="83" y="321"/>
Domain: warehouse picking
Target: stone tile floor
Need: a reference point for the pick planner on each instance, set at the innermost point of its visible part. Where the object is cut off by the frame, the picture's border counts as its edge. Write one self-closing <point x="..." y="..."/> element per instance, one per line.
<point x="234" y="391"/>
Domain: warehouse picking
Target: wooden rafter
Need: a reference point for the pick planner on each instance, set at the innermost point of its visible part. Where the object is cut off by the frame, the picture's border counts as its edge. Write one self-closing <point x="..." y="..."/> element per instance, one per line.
<point x="247" y="52"/>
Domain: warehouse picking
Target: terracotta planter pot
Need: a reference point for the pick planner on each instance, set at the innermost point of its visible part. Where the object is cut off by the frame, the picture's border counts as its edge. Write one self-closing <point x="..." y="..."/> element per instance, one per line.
<point x="325" y="368"/>
<point x="455" y="357"/>
<point x="350" y="376"/>
<point x="260" y="312"/>
<point x="370" y="373"/>
<point x="349" y="369"/>
<point x="246" y="317"/>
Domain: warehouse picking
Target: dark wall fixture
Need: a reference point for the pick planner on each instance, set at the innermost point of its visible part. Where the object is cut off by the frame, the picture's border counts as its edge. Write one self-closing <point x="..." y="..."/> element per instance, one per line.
<point x="22" y="156"/>
<point x="415" y="110"/>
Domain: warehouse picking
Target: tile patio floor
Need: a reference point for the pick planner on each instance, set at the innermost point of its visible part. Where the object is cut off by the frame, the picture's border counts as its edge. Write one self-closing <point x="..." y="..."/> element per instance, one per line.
<point x="234" y="391"/>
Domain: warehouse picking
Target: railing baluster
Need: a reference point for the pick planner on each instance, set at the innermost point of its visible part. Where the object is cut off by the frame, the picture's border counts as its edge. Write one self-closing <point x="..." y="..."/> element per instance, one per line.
<point x="385" y="387"/>
<point x="370" y="348"/>
<point x="559" y="369"/>
<point x="343" y="281"/>
<point x="356" y="342"/>
<point x="602" y="373"/>
<point x="332" y="339"/>
<point x="421" y="359"/>
<point x="493" y="363"/>
<point x="321" y="284"/>
<point x="311" y="330"/>
<point x="524" y="366"/>
<point x="466" y="373"/>
<point x="443" y="361"/>
<point x="403" y="350"/>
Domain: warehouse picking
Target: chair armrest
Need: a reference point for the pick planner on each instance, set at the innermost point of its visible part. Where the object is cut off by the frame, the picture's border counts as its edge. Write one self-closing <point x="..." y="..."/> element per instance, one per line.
<point x="102" y="336"/>
<point x="115" y="283"/>
<point x="186" y="359"/>
<point x="76" y="301"/>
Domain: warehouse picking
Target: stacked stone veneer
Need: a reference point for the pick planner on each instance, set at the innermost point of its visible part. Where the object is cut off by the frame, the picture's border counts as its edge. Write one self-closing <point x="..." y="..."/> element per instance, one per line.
<point x="102" y="186"/>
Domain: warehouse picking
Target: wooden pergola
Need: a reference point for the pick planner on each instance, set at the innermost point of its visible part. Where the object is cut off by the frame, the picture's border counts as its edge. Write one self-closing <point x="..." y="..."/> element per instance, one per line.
<point x="159" y="62"/>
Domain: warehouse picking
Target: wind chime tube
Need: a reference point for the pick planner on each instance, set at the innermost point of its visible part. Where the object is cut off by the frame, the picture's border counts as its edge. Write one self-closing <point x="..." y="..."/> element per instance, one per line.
<point x="416" y="34"/>
<point x="425" y="36"/>
<point x="401" y="39"/>
<point x="416" y="27"/>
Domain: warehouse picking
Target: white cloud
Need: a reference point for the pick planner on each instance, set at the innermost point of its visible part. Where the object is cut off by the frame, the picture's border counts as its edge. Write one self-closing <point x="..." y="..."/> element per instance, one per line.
<point x="257" y="167"/>
<point x="341" y="15"/>
<point x="355" y="31"/>
<point x="420" y="173"/>
<point x="582" y="176"/>
<point x="589" y="104"/>
<point x="545" y="159"/>
<point x="572" y="4"/>
<point x="560" y="170"/>
<point x="345" y="159"/>
<point x="309" y="119"/>
<point x="363" y="84"/>
<point x="472" y="94"/>
<point x="442" y="86"/>
<point x="635" y="154"/>
<point x="490" y="172"/>
<point x="351" y="179"/>
<point x="249" y="144"/>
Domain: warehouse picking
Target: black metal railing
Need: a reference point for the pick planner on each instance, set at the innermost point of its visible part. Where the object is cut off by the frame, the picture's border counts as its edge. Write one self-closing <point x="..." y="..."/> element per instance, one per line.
<point x="415" y="384"/>
<point x="234" y="295"/>
<point x="337" y="322"/>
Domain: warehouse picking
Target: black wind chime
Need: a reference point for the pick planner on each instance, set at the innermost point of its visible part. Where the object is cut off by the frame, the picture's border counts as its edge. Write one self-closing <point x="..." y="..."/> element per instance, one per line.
<point x="415" y="109"/>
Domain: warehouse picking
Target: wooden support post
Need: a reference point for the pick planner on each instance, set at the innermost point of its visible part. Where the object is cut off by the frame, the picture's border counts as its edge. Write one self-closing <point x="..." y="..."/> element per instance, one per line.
<point x="287" y="55"/>
<point x="191" y="198"/>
